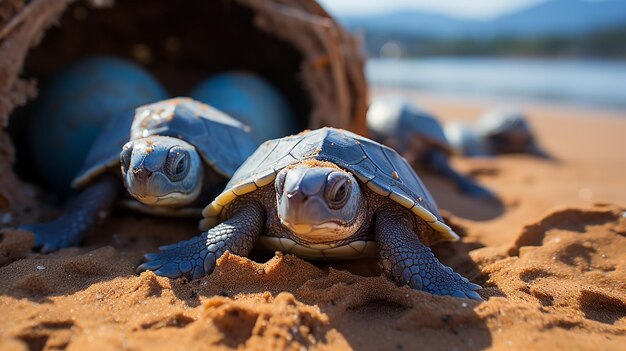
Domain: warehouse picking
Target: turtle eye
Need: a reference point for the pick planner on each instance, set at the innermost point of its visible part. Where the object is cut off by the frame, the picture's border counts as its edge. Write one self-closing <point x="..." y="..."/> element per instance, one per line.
<point x="125" y="156"/>
<point x="177" y="165"/>
<point x="279" y="183"/>
<point x="338" y="191"/>
<point x="341" y="193"/>
<point x="180" y="166"/>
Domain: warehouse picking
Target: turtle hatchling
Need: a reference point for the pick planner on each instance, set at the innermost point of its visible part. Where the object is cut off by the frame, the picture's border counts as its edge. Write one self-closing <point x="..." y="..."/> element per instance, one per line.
<point x="419" y="137"/>
<point x="326" y="194"/>
<point x="502" y="130"/>
<point x="506" y="130"/>
<point x="174" y="155"/>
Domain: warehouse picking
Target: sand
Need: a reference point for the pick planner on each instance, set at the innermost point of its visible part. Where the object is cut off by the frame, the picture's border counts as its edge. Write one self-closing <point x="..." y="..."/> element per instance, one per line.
<point x="550" y="256"/>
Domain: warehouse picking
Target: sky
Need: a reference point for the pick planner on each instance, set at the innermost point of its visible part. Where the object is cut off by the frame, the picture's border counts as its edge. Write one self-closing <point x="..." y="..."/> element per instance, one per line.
<point x="475" y="9"/>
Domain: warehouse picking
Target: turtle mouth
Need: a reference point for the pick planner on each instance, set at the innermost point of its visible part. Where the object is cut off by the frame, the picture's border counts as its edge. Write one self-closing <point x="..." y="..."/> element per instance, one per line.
<point x="168" y="199"/>
<point x="171" y="199"/>
<point x="322" y="232"/>
<point x="298" y="228"/>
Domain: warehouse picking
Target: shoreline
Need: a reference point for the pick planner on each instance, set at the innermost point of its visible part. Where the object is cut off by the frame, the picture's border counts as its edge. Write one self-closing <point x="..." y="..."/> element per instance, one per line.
<point x="582" y="110"/>
<point x="579" y="82"/>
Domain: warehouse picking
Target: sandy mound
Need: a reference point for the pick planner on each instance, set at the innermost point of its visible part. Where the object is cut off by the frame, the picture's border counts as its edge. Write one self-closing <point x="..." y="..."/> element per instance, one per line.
<point x="562" y="281"/>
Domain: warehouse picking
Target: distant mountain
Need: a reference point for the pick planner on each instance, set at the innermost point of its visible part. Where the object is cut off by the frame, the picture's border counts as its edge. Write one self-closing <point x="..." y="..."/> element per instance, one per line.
<point x="552" y="17"/>
<point x="563" y="17"/>
<point x="405" y="23"/>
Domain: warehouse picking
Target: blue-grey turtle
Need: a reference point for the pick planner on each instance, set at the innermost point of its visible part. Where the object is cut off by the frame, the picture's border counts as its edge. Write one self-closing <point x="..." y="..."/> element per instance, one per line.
<point x="418" y="136"/>
<point x="499" y="131"/>
<point x="174" y="155"/>
<point x="464" y="139"/>
<point x="324" y="194"/>
<point x="506" y="130"/>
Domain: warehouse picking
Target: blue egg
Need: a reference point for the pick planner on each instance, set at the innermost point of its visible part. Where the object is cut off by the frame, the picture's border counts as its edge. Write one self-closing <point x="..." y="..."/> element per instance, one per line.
<point x="74" y="106"/>
<point x="250" y="99"/>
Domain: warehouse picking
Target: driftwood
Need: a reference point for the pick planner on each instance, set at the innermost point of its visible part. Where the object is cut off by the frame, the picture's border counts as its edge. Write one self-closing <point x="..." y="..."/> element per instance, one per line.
<point x="333" y="71"/>
<point x="21" y="28"/>
<point x="331" y="68"/>
<point x="18" y="34"/>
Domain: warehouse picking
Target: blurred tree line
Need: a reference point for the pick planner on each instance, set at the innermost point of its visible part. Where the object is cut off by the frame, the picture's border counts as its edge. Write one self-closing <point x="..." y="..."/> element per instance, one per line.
<point x="607" y="43"/>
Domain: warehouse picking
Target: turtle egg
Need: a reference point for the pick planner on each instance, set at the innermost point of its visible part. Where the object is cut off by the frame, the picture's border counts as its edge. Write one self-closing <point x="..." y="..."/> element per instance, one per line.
<point x="250" y="99"/>
<point x="75" y="104"/>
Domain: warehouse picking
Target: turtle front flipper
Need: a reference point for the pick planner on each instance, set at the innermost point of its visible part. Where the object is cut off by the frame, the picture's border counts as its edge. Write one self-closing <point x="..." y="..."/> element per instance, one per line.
<point x="438" y="162"/>
<point x="408" y="261"/>
<point x="92" y="205"/>
<point x="196" y="257"/>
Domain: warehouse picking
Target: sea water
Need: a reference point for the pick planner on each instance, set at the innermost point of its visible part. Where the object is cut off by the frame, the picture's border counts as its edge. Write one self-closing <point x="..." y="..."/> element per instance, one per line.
<point x="571" y="81"/>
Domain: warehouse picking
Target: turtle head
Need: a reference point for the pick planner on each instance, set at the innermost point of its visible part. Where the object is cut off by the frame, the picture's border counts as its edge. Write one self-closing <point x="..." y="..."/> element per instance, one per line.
<point x="161" y="171"/>
<point x="319" y="204"/>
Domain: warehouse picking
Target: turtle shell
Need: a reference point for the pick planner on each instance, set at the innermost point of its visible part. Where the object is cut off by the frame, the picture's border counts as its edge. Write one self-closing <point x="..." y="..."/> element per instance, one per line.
<point x="399" y="119"/>
<point x="380" y="168"/>
<point x="465" y="140"/>
<point x="198" y="124"/>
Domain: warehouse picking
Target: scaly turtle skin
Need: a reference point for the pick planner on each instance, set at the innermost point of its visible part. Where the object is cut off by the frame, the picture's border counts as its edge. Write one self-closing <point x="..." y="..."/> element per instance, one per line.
<point x="419" y="137"/>
<point x="174" y="155"/>
<point x="323" y="194"/>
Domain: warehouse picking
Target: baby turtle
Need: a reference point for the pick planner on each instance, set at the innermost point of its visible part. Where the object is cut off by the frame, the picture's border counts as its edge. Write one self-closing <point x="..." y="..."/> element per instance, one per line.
<point x="464" y="139"/>
<point x="506" y="130"/>
<point x="181" y="152"/>
<point x="501" y="130"/>
<point x="419" y="137"/>
<point x="324" y="194"/>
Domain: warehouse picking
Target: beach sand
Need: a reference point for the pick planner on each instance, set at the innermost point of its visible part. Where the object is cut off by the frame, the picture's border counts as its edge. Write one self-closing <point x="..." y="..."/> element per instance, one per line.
<point x="550" y="256"/>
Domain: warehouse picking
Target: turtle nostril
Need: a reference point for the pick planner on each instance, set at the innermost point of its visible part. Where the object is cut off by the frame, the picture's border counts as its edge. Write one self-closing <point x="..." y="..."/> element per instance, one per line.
<point x="297" y="196"/>
<point x="142" y="174"/>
